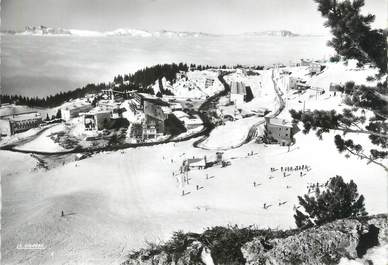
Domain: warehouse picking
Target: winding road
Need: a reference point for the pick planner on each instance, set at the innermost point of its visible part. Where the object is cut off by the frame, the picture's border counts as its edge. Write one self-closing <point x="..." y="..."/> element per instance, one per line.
<point x="202" y="112"/>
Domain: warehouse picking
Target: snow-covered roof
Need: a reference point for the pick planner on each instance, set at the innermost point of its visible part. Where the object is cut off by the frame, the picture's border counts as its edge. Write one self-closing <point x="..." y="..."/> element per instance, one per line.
<point x="22" y="116"/>
<point x="75" y="104"/>
<point x="193" y="121"/>
<point x="280" y="122"/>
<point x="196" y="162"/>
<point x="180" y="114"/>
<point x="238" y="88"/>
<point x="166" y="109"/>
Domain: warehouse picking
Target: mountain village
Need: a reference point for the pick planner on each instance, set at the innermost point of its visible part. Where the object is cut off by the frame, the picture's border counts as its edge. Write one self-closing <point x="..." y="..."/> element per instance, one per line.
<point x="214" y="123"/>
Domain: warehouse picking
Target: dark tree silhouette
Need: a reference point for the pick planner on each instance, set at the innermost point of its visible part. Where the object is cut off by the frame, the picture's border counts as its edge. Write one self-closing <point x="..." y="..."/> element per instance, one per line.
<point x="353" y="36"/>
<point x="336" y="200"/>
<point x="173" y="125"/>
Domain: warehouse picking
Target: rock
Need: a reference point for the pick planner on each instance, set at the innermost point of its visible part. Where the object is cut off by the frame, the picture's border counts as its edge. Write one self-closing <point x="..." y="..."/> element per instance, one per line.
<point x="192" y="255"/>
<point x="326" y="244"/>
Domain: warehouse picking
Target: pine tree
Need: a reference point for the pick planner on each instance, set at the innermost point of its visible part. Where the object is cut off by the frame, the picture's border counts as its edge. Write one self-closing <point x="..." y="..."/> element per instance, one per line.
<point x="336" y="200"/>
<point x="353" y="37"/>
<point x="59" y="114"/>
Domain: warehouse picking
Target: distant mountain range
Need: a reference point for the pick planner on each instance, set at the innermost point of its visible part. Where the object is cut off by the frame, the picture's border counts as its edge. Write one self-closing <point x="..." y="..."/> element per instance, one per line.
<point x="48" y="31"/>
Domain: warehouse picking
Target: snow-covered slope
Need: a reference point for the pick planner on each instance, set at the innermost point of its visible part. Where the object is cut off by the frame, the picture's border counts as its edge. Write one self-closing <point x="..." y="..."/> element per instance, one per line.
<point x="128" y="32"/>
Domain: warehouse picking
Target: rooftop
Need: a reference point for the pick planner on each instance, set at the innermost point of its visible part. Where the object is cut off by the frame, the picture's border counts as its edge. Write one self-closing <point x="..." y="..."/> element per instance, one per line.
<point x="75" y="104"/>
<point x="22" y="116"/>
<point x="238" y="88"/>
<point x="280" y="122"/>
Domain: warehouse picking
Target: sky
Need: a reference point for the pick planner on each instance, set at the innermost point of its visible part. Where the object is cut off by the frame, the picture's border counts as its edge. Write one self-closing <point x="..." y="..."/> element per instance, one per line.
<point x="212" y="16"/>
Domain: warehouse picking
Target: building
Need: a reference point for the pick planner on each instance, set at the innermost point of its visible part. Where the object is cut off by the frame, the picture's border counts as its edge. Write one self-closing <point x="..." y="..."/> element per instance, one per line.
<point x="314" y="68"/>
<point x="136" y="131"/>
<point x="137" y="100"/>
<point x="292" y="82"/>
<point x="209" y="82"/>
<point x="5" y="127"/>
<point x="237" y="92"/>
<point x="195" y="163"/>
<point x="181" y="75"/>
<point x="278" y="131"/>
<point x="73" y="109"/>
<point x="117" y="113"/>
<point x="189" y="121"/>
<point x="96" y="119"/>
<point x="114" y="95"/>
<point x="192" y="122"/>
<point x="304" y="62"/>
<point x="152" y="129"/>
<point x="334" y="88"/>
<point x="176" y="106"/>
<point x="156" y="111"/>
<point x="298" y="84"/>
<point x="131" y="113"/>
<point x="241" y="71"/>
<point x="17" y="123"/>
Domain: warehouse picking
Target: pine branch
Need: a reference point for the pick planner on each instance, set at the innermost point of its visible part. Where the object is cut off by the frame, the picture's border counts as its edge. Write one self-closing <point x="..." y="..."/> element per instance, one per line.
<point x="363" y="156"/>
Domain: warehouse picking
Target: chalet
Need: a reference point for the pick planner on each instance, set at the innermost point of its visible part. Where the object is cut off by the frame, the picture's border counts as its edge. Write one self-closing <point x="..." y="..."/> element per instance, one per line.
<point x="195" y="163"/>
<point x="278" y="131"/>
<point x="15" y="123"/>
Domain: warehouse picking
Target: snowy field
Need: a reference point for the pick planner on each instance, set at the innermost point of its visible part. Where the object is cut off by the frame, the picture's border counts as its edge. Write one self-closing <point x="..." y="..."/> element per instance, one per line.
<point x="115" y="201"/>
<point x="43" y="142"/>
<point x="230" y="135"/>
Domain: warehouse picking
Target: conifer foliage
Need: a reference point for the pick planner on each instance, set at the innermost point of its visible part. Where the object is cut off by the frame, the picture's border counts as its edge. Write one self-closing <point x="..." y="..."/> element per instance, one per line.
<point x="336" y="200"/>
<point x="353" y="37"/>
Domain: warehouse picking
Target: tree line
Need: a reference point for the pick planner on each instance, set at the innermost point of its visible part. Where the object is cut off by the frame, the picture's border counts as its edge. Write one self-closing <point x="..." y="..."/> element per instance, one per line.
<point x="141" y="81"/>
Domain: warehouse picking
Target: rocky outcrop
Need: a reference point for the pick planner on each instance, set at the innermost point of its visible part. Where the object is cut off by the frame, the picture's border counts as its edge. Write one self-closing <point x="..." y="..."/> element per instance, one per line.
<point x="326" y="244"/>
